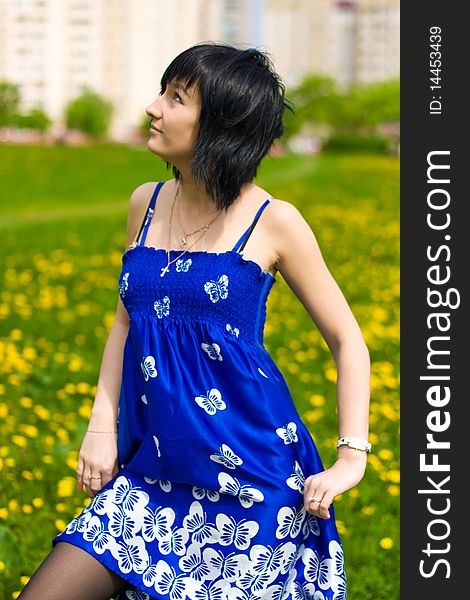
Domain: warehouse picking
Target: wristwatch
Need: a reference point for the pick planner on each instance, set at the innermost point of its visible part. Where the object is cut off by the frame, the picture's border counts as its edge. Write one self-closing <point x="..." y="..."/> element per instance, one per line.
<point x="354" y="442"/>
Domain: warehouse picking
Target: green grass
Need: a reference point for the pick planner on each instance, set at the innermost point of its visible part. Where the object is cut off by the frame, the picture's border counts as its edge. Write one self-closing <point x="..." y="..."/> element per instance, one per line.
<point x="62" y="224"/>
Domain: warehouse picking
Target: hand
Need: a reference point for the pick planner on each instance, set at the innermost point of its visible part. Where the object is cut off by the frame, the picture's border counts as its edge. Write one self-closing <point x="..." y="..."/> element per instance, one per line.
<point x="98" y="456"/>
<point x="324" y="486"/>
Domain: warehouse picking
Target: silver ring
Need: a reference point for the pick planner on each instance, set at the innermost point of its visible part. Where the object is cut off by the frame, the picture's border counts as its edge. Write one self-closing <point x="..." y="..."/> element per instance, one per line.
<point x="94" y="477"/>
<point x="313" y="499"/>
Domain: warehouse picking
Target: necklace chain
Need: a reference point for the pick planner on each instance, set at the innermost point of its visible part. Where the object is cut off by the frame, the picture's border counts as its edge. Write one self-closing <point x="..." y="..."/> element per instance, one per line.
<point x="204" y="229"/>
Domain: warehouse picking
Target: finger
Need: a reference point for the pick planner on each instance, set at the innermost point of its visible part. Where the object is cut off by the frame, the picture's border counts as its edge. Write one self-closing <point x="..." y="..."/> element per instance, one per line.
<point x="80" y="470"/>
<point x="324" y="506"/>
<point x="312" y="500"/>
<point x="106" y="477"/>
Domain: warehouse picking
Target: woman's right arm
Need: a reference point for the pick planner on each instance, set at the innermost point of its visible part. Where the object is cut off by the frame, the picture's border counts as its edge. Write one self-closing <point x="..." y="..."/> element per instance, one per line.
<point x="98" y="453"/>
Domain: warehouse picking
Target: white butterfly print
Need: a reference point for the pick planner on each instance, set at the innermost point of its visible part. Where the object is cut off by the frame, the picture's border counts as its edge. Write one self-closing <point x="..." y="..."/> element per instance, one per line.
<point x="183" y="265"/>
<point x="131" y="498"/>
<point x="288" y="433"/>
<point x="148" y="367"/>
<point x="311" y="525"/>
<point x="337" y="555"/>
<point x="234" y="331"/>
<point x="79" y="523"/>
<point x="216" y="590"/>
<point x="162" y="307"/>
<point x="165" y="485"/>
<point x="227" y="457"/>
<point x="122" y="523"/>
<point x="149" y="574"/>
<point x="196" y="524"/>
<point x="302" y="590"/>
<point x="97" y="533"/>
<point x="157" y="444"/>
<point x="156" y="524"/>
<point x="316" y="570"/>
<point x="137" y="594"/>
<point x="176" y="587"/>
<point x="296" y="481"/>
<point x="217" y="290"/>
<point x="124" y="285"/>
<point x="175" y="542"/>
<point x="263" y="373"/>
<point x="144" y="399"/>
<point x="212" y="402"/>
<point x="246" y="493"/>
<point x="231" y="532"/>
<point x="290" y="521"/>
<point x="269" y="560"/>
<point x="103" y="502"/>
<point x="195" y="565"/>
<point x="256" y="582"/>
<point x="200" y="493"/>
<point x="132" y="555"/>
<point x="213" y="350"/>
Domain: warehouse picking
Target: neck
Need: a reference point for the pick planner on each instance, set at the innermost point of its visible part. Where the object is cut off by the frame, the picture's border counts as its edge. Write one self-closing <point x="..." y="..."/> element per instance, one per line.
<point x="194" y="199"/>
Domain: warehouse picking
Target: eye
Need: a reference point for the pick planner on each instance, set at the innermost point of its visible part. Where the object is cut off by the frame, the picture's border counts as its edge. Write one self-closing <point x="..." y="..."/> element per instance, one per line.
<point x="176" y="94"/>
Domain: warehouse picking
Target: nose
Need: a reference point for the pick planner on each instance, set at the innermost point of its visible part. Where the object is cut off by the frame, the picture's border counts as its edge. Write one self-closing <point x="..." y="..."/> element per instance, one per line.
<point x="153" y="109"/>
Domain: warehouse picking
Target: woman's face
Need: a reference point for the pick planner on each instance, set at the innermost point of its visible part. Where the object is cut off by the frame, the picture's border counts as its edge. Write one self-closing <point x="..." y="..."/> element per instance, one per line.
<point x="176" y="114"/>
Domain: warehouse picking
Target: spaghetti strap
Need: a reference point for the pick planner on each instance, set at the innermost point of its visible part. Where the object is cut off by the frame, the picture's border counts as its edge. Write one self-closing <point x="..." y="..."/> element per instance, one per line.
<point x="148" y="215"/>
<point x="244" y="237"/>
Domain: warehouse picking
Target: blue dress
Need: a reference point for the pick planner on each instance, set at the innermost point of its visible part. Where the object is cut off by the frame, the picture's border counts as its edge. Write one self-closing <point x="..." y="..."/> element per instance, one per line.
<point x="208" y="501"/>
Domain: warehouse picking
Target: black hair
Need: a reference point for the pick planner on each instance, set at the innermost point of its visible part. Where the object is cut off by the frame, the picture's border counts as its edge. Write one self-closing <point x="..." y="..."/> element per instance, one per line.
<point x="242" y="106"/>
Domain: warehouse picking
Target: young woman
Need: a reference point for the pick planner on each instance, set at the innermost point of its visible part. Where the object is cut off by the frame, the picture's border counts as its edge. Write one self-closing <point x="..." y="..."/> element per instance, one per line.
<point x="205" y="483"/>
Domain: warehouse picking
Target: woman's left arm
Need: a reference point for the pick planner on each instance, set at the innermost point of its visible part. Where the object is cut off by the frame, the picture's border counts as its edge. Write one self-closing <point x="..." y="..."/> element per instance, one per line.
<point x="300" y="262"/>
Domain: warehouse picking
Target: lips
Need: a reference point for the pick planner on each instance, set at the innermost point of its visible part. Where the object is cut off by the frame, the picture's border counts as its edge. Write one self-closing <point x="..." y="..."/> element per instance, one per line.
<point x="152" y="128"/>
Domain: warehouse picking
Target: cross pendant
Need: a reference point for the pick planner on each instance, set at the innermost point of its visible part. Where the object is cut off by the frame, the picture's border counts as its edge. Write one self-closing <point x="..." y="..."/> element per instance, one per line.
<point x="164" y="270"/>
<point x="184" y="240"/>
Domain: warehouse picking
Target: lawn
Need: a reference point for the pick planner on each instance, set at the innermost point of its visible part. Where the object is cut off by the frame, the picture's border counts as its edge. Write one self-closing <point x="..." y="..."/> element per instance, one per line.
<point x="62" y="224"/>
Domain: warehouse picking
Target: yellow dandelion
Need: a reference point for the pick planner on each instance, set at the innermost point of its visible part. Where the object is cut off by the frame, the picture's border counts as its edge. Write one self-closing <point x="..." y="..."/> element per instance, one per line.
<point x="29" y="353"/>
<point x="386" y="543"/>
<point x="60" y="524"/>
<point x="394" y="475"/>
<point x="26" y="402"/>
<point x="16" y="335"/>
<point x="38" y="474"/>
<point x="24" y="579"/>
<point x="13" y="504"/>
<point x="385" y="454"/>
<point x="66" y="487"/>
<point x="3" y="410"/>
<point x="83" y="387"/>
<point x="4" y="450"/>
<point x="61" y="507"/>
<point x="367" y="510"/>
<point x="27" y="509"/>
<point x="75" y="364"/>
<point x="2" y="565"/>
<point x="10" y="462"/>
<point x="317" y="400"/>
<point x="37" y="502"/>
<point x="84" y="410"/>
<point x="15" y="595"/>
<point x="3" y="513"/>
<point x="70" y="388"/>
<point x="43" y="413"/>
<point x="354" y="493"/>
<point x="340" y="527"/>
<point x="47" y="458"/>
<point x="19" y="440"/>
<point x="331" y="374"/>
<point x="27" y="475"/>
<point x="30" y="430"/>
<point x="393" y="490"/>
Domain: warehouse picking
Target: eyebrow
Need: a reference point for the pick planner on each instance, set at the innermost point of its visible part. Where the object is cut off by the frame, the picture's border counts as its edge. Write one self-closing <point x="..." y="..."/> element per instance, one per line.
<point x="179" y="86"/>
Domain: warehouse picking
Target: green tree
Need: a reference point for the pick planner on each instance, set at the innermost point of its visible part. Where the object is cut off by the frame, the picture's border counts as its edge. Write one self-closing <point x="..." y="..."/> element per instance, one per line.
<point x="89" y="113"/>
<point x="9" y="101"/>
<point x="35" y="119"/>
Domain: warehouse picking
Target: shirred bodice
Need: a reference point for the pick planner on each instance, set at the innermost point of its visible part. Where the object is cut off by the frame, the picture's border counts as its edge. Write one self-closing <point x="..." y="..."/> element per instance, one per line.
<point x="203" y="286"/>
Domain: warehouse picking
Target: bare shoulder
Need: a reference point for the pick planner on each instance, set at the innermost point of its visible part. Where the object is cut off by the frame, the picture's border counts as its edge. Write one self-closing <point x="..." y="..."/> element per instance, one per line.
<point x="138" y="203"/>
<point x="286" y="225"/>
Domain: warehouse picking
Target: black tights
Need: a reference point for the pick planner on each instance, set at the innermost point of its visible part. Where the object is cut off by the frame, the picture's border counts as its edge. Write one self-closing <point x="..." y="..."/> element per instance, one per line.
<point x="70" y="573"/>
